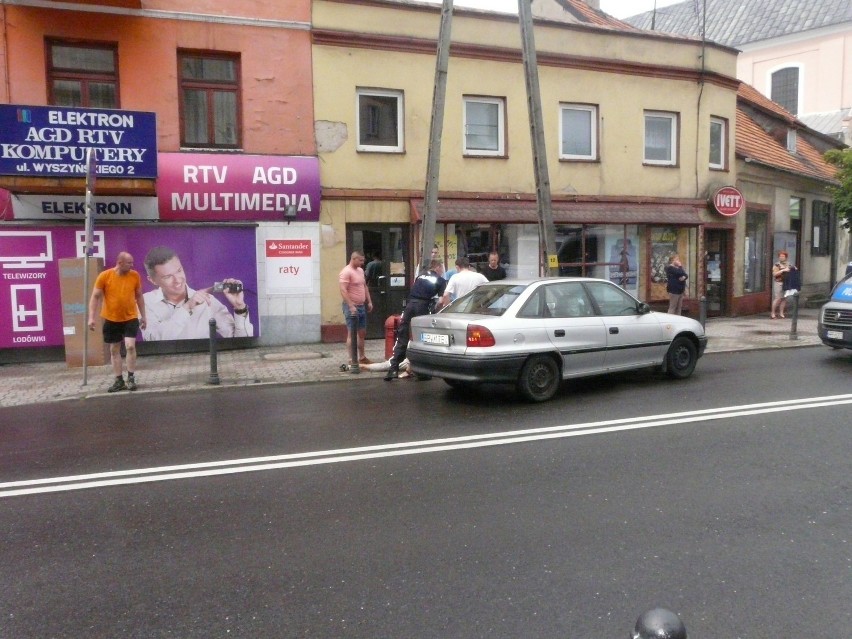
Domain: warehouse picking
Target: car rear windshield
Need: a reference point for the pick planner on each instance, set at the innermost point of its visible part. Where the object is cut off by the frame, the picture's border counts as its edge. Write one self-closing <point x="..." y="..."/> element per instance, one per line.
<point x="487" y="300"/>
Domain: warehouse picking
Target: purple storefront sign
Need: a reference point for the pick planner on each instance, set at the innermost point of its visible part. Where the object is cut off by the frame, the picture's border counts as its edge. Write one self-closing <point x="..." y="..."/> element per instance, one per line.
<point x="202" y="187"/>
<point x="30" y="298"/>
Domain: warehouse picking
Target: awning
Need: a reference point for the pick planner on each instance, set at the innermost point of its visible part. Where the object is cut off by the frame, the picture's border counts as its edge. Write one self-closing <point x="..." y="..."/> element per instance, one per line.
<point x="474" y="211"/>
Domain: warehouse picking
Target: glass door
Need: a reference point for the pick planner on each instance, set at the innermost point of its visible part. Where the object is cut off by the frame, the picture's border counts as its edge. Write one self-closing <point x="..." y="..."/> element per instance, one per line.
<point x="716" y="272"/>
<point x="385" y="247"/>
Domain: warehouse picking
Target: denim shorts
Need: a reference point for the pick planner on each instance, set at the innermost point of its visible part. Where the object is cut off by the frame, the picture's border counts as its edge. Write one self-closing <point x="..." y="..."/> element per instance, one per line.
<point x="362" y="316"/>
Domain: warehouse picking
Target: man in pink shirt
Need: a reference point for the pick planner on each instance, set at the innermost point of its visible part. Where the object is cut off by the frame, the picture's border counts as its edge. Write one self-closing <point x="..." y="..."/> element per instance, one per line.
<point x="356" y="303"/>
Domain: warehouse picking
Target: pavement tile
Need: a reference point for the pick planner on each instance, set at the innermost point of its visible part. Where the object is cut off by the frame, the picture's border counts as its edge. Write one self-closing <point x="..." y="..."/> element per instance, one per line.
<point x="52" y="381"/>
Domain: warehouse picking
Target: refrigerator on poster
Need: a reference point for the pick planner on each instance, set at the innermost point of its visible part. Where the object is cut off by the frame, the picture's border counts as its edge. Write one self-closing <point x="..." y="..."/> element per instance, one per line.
<point x="30" y="299"/>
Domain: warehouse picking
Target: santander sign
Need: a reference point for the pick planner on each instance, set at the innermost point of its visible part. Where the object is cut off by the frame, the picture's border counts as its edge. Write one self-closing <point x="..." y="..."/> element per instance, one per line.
<point x="728" y="201"/>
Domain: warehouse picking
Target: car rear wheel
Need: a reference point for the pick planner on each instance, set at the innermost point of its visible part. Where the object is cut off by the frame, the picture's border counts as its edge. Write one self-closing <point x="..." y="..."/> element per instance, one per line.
<point x="681" y="358"/>
<point x="539" y="379"/>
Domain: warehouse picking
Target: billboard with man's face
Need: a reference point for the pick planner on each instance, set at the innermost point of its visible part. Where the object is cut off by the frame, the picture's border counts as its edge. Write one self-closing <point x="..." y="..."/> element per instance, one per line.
<point x="210" y="273"/>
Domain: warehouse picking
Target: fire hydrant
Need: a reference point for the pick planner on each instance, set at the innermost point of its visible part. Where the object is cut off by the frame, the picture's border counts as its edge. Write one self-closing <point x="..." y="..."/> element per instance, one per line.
<point x="391" y="324"/>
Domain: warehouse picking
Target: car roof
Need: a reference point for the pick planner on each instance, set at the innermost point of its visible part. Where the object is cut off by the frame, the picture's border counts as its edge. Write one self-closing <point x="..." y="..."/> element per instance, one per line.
<point x="527" y="281"/>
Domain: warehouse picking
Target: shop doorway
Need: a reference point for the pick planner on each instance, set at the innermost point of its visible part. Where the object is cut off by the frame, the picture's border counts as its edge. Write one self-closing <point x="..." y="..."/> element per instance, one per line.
<point x="716" y="267"/>
<point x="386" y="248"/>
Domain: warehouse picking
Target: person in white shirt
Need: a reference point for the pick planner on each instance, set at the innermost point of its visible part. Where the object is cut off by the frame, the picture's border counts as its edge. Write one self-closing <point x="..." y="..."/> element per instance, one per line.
<point x="176" y="311"/>
<point x="463" y="282"/>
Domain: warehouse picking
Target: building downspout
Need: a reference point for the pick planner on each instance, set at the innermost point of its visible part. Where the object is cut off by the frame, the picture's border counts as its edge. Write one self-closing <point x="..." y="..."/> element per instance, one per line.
<point x="700" y="95"/>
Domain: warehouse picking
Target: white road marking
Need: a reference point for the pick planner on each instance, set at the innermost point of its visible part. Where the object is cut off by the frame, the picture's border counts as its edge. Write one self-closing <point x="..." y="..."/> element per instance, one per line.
<point x="293" y="460"/>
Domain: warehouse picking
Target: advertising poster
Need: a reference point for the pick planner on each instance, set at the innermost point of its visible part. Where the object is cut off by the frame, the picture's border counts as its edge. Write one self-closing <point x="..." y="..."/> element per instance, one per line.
<point x="663" y="246"/>
<point x="622" y="253"/>
<point x="213" y="262"/>
<point x="289" y="267"/>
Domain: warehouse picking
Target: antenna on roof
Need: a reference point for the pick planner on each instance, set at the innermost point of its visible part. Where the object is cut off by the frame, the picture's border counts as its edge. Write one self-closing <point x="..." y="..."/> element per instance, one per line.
<point x="654" y="15"/>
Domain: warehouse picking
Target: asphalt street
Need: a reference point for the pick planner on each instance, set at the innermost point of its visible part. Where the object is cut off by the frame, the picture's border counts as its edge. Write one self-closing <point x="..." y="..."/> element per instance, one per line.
<point x="355" y="510"/>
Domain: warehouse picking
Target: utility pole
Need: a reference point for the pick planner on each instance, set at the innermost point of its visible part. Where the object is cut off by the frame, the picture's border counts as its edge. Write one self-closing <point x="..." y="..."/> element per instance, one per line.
<point x="430" y="210"/>
<point x="549" y="262"/>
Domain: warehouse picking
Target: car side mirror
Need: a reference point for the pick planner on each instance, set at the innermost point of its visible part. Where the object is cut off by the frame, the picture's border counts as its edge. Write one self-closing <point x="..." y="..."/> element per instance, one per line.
<point x="644" y="308"/>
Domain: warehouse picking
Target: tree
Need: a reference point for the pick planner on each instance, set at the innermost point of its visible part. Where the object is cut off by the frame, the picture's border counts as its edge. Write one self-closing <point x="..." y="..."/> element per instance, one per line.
<point x="842" y="159"/>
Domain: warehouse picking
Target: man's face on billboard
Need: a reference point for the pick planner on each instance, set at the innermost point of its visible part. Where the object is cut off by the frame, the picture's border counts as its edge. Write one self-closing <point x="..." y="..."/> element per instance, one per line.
<point x="170" y="277"/>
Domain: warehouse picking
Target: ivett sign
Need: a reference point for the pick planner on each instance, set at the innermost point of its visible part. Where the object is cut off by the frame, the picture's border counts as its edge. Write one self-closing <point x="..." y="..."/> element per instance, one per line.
<point x="728" y="201"/>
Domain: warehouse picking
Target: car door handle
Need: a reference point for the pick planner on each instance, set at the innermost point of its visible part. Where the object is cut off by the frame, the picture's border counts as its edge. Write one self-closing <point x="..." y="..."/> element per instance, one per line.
<point x="613" y="330"/>
<point x="559" y="333"/>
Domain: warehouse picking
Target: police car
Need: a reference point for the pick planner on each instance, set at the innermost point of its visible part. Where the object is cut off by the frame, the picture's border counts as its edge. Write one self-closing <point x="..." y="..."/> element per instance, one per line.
<point x="835" y="317"/>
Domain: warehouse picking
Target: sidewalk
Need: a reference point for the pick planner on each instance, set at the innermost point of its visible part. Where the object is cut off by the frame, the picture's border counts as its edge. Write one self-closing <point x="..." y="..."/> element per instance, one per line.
<point x="45" y="382"/>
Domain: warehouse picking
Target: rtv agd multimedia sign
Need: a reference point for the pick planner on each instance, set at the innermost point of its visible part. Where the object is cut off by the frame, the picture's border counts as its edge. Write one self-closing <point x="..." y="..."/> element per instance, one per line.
<point x="47" y="141"/>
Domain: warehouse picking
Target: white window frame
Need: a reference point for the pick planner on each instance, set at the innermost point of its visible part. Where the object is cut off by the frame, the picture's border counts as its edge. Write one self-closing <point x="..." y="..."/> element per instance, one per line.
<point x="592" y="110"/>
<point x="501" y="127"/>
<point x="673" y="136"/>
<point x="792" y="140"/>
<point x="723" y="143"/>
<point x="400" y="120"/>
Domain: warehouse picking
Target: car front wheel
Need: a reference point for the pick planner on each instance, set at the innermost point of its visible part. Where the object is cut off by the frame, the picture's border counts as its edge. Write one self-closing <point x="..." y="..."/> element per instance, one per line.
<point x="681" y="358"/>
<point x="539" y="378"/>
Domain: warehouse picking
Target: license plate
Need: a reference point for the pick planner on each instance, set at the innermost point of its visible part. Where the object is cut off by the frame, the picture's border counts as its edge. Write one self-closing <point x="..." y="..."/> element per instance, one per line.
<point x="435" y="338"/>
<point x="834" y="334"/>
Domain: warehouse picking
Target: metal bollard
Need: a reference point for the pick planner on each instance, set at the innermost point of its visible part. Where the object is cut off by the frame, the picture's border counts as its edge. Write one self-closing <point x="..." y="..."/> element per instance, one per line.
<point x="214" y="373"/>
<point x="702" y="310"/>
<point x="794" y="324"/>
<point x="659" y="623"/>
<point x="355" y="369"/>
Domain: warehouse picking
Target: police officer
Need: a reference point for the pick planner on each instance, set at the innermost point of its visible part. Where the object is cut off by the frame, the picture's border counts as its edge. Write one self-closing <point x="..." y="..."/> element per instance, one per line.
<point x="428" y="285"/>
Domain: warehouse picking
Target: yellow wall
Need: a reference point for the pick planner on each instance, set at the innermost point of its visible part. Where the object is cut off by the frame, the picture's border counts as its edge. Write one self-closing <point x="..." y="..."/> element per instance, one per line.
<point x="622" y="97"/>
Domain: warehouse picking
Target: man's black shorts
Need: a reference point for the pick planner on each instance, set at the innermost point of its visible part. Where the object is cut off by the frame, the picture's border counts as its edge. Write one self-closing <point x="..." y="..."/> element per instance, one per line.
<point x="116" y="331"/>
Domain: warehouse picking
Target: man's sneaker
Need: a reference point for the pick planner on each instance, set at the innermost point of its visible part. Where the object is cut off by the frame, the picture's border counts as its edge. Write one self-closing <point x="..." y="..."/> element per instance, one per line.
<point x="131" y="383"/>
<point x="392" y="374"/>
<point x="117" y="385"/>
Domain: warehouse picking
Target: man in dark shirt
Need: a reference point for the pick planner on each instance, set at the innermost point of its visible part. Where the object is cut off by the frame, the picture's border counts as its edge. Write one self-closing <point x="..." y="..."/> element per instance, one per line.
<point x="427" y="285"/>
<point x="493" y="271"/>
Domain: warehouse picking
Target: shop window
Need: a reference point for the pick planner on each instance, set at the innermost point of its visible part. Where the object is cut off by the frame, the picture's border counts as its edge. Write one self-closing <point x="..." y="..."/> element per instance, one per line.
<point x="578" y="132"/>
<point x="380" y="121"/>
<point x="484" y="122"/>
<point x="665" y="242"/>
<point x="82" y="75"/>
<point x="718" y="143"/>
<point x="660" y="138"/>
<point x="607" y="251"/>
<point x="757" y="253"/>
<point x="785" y="88"/>
<point x="209" y="100"/>
<point x="821" y="236"/>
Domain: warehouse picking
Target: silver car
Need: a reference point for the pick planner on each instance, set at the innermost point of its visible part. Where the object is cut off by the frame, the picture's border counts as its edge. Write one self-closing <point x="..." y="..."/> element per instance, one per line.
<point x="534" y="333"/>
<point x="835" y="317"/>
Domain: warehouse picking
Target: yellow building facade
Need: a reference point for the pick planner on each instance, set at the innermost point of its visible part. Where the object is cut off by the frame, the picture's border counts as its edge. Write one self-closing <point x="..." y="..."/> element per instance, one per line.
<point x="639" y="135"/>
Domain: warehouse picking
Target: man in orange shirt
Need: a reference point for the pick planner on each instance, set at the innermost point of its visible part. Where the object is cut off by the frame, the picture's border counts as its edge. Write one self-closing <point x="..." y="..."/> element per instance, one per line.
<point x="119" y="291"/>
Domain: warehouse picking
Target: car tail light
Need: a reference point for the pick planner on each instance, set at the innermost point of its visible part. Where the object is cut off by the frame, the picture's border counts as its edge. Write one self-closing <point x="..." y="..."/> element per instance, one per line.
<point x="479" y="336"/>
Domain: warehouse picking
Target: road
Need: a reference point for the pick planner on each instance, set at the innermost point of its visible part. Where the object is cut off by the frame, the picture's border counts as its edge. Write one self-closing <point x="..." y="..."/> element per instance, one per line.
<point x="410" y="510"/>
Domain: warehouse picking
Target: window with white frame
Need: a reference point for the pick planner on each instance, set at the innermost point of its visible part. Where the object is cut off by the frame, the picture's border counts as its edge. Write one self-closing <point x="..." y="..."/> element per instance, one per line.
<point x="718" y="143"/>
<point x="792" y="140"/>
<point x="578" y="132"/>
<point x="660" y="138"/>
<point x="380" y="120"/>
<point x="484" y="120"/>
